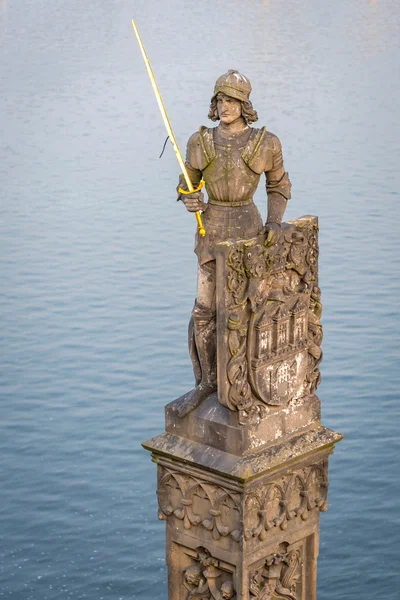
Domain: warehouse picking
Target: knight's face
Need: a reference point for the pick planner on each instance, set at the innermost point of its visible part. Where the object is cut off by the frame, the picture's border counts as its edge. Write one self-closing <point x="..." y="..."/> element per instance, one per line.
<point x="229" y="109"/>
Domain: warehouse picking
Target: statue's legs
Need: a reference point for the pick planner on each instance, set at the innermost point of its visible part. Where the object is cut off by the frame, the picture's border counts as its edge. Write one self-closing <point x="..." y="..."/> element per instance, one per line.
<point x="202" y="339"/>
<point x="206" y="275"/>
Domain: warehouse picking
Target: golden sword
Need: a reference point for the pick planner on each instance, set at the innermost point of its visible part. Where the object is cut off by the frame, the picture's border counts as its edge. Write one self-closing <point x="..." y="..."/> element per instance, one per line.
<point x="182" y="165"/>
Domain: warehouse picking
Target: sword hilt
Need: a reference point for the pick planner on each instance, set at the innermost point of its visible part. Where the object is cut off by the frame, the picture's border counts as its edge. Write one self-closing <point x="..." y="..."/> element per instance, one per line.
<point x="202" y="231"/>
<point x="201" y="184"/>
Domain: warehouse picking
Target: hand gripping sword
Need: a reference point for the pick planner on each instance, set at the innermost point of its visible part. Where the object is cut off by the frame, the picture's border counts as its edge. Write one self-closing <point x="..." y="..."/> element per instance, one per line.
<point x="182" y="165"/>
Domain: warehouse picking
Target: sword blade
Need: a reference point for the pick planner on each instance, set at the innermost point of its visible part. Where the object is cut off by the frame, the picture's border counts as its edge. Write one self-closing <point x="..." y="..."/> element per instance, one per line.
<point x="162" y="109"/>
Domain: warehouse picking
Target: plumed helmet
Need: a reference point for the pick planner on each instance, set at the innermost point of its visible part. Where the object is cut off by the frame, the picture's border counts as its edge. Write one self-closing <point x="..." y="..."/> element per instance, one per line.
<point x="233" y="84"/>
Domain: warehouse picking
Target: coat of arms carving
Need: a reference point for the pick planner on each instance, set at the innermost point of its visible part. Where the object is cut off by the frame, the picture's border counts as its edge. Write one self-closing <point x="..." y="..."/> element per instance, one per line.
<point x="268" y="319"/>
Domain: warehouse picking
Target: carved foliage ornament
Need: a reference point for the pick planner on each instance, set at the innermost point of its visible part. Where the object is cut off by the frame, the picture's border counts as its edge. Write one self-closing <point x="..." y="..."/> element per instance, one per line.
<point x="277" y="503"/>
<point x="197" y="502"/>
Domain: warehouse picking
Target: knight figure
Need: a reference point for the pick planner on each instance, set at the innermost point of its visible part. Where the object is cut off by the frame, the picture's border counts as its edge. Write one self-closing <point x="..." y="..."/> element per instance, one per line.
<point x="231" y="158"/>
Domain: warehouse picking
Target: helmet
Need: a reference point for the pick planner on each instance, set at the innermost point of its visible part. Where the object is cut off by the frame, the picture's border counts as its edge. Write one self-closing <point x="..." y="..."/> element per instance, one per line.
<point x="233" y="84"/>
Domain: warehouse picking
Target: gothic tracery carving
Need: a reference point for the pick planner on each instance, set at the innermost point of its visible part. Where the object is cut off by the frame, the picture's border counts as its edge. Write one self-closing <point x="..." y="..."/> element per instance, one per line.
<point x="277" y="503"/>
<point x="197" y="502"/>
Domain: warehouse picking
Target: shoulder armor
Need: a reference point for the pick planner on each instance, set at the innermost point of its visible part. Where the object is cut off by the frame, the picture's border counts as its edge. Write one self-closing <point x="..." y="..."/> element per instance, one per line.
<point x="196" y="153"/>
<point x="273" y="142"/>
<point x="253" y="144"/>
<point x="193" y="145"/>
<point x="207" y="143"/>
<point x="261" y="150"/>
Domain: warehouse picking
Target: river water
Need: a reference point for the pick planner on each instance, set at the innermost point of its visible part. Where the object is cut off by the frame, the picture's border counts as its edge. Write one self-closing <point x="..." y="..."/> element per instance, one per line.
<point x="98" y="273"/>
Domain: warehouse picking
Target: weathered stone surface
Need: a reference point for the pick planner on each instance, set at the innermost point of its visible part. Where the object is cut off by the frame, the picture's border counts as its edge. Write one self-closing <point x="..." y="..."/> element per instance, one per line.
<point x="255" y="516"/>
<point x="246" y="467"/>
<point x="243" y="476"/>
<point x="243" y="464"/>
<point x="215" y="425"/>
<point x="268" y="327"/>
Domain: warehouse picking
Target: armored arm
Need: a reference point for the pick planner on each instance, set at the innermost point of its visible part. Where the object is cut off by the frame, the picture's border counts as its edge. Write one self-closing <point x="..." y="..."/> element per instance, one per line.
<point x="278" y="187"/>
<point x="195" y="201"/>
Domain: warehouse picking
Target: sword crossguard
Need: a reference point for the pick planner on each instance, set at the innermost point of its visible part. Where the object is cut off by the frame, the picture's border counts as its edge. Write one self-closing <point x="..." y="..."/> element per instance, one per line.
<point x="186" y="192"/>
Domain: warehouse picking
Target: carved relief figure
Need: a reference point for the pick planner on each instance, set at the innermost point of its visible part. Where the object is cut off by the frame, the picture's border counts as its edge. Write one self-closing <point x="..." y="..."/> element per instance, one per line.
<point x="231" y="159"/>
<point x="203" y="580"/>
<point x="278" y="578"/>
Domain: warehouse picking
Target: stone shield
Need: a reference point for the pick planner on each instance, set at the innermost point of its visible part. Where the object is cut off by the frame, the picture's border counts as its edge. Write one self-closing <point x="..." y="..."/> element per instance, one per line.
<point x="268" y="328"/>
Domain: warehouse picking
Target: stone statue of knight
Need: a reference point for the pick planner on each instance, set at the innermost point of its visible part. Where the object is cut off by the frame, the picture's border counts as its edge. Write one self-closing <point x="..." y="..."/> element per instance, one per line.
<point x="231" y="159"/>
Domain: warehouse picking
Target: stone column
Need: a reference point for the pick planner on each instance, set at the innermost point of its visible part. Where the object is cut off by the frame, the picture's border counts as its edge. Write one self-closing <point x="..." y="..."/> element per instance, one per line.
<point x="243" y="478"/>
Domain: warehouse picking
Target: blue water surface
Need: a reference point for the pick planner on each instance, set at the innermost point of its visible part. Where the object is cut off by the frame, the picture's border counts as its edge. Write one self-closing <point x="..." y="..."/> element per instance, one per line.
<point x="98" y="274"/>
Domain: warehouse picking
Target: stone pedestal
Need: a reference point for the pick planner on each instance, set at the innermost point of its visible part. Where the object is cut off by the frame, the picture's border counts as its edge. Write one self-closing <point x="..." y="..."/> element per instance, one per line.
<point x="245" y="501"/>
<point x="242" y="479"/>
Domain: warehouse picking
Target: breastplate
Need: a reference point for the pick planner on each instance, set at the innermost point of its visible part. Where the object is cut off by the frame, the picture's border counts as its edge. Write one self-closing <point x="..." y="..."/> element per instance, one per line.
<point x="227" y="176"/>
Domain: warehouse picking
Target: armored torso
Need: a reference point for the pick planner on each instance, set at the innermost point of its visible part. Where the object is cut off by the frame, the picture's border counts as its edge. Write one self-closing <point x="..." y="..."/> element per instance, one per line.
<point x="231" y="168"/>
<point x="228" y="178"/>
